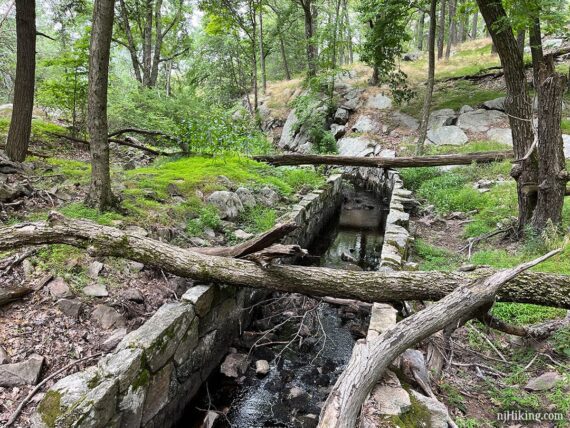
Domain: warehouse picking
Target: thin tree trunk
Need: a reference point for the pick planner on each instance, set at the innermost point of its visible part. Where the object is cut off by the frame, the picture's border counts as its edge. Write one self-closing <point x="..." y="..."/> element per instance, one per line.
<point x="21" y="122"/>
<point x="100" y="195"/>
<point x="441" y="29"/>
<point x="349" y="33"/>
<point x="430" y="80"/>
<point x="147" y="43"/>
<point x="157" y="44"/>
<point x="452" y="30"/>
<point x="309" y="13"/>
<point x="552" y="175"/>
<point x="538" y="288"/>
<point x="535" y="41"/>
<point x="130" y="41"/>
<point x="284" y="57"/>
<point x="517" y="104"/>
<point x="520" y="41"/>
<point x="474" y="25"/>
<point x="420" y="31"/>
<point x="370" y="359"/>
<point x="465" y="28"/>
<point x="262" y="52"/>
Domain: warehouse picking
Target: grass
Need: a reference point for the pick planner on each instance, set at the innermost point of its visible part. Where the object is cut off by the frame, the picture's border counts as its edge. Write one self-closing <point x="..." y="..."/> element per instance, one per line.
<point x="80" y="211"/>
<point x="565" y="125"/>
<point x="435" y="258"/>
<point x="258" y="219"/>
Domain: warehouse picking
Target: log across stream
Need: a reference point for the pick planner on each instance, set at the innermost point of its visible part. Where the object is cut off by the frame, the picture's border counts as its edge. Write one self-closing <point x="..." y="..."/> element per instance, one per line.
<point x="300" y="377"/>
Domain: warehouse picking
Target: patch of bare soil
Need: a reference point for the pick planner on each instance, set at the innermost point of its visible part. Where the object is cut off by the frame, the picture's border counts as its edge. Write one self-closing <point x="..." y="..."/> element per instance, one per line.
<point x="445" y="233"/>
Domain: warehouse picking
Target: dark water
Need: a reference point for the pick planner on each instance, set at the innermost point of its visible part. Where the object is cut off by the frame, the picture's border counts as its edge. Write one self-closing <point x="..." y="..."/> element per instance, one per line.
<point x="300" y="379"/>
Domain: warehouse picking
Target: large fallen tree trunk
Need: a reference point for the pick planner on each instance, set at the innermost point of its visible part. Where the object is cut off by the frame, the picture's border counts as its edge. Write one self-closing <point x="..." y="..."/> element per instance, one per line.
<point x="381" y="162"/>
<point x="541" y="289"/>
<point x="370" y="360"/>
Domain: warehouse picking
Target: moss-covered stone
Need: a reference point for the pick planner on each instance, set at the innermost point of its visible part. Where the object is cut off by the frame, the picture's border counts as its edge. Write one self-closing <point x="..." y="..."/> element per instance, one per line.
<point x="50" y="408"/>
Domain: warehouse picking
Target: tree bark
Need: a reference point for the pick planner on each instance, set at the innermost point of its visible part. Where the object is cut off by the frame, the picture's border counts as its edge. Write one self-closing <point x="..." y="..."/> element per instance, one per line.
<point x="262" y="52"/>
<point x="517" y="104"/>
<point x="474" y="25"/>
<point x="309" y="13"/>
<point x="535" y="41"/>
<point x="537" y="288"/>
<point x="451" y="35"/>
<point x="21" y="122"/>
<point x="441" y="29"/>
<point x="520" y="41"/>
<point x="131" y="46"/>
<point x="99" y="195"/>
<point x="430" y="80"/>
<point x="370" y="359"/>
<point x="420" y="31"/>
<point x="552" y="175"/>
<point x="284" y="57"/>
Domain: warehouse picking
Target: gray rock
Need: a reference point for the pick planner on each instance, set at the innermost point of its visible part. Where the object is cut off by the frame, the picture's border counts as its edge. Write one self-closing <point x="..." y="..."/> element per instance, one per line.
<point x="246" y="197"/>
<point x="202" y="297"/>
<point x="380" y="102"/>
<point x="356" y="146"/>
<point x="481" y="120"/>
<point x="411" y="56"/>
<point x="337" y="130"/>
<point x="234" y="365"/>
<point x="225" y="181"/>
<point x="438" y="412"/>
<point x="544" y="382"/>
<point x="261" y="367"/>
<point x="113" y="339"/>
<point x="288" y="133"/>
<point x="443" y="117"/>
<point x="4" y="357"/>
<point x="228" y="204"/>
<point x="95" y="290"/>
<point x="367" y="124"/>
<point x="95" y="269"/>
<point x="107" y="317"/>
<point x="406" y="121"/>
<point x="28" y="268"/>
<point x="132" y="294"/>
<point x="268" y="197"/>
<point x="341" y="116"/>
<point x="240" y="234"/>
<point x="135" y="267"/>
<point x="70" y="307"/>
<point x="382" y="317"/>
<point x="210" y="419"/>
<point x="389" y="396"/>
<point x="501" y="135"/>
<point x="157" y="393"/>
<point x="552" y="43"/>
<point x="566" y="141"/>
<point x="23" y="373"/>
<point x="496" y="104"/>
<point x="465" y="109"/>
<point x="447" y="135"/>
<point x="59" y="289"/>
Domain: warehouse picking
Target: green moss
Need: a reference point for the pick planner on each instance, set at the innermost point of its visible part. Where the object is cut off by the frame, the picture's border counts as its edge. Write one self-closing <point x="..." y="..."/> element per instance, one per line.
<point x="434" y="258"/>
<point x="49" y="408"/>
<point x="71" y="169"/>
<point x="94" y="381"/>
<point x="525" y="314"/>
<point x="258" y="218"/>
<point x="417" y="416"/>
<point x="141" y="380"/>
<point x="80" y="211"/>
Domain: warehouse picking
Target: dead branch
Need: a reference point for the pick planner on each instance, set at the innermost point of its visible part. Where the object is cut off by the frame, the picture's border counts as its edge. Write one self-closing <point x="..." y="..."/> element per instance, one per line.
<point x="538" y="331"/>
<point x="532" y="287"/>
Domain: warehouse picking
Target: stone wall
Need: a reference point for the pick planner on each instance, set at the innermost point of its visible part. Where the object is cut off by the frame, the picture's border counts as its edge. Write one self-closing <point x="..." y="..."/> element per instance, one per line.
<point x="149" y="379"/>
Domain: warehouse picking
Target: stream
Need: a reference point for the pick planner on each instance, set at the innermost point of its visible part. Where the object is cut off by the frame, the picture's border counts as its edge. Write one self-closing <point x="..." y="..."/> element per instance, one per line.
<point x="309" y="352"/>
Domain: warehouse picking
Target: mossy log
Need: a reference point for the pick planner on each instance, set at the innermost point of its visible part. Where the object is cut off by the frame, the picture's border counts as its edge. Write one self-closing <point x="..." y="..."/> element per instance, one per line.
<point x="538" y="288"/>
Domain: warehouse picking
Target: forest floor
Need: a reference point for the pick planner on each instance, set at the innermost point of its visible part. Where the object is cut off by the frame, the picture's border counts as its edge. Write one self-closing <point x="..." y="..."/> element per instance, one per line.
<point x="166" y="198"/>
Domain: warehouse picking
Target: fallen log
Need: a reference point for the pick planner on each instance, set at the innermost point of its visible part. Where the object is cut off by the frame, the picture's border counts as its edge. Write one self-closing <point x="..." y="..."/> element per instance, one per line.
<point x="381" y="162"/>
<point x="537" y="288"/>
<point x="370" y="359"/>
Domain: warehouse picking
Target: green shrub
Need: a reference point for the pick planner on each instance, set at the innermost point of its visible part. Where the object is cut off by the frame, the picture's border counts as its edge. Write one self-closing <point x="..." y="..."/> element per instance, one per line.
<point x="449" y="193"/>
<point x="258" y="218"/>
<point x="208" y="218"/>
<point x="415" y="177"/>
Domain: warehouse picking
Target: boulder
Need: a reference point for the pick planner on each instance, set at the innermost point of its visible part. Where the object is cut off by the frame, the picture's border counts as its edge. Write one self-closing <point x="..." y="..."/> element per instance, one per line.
<point x="132" y="294"/>
<point x="268" y="197"/>
<point x="341" y="116"/>
<point x="465" y="109"/>
<point x="70" y="307"/>
<point x="227" y="203"/>
<point x="411" y="56"/>
<point x="246" y="197"/>
<point x="23" y="373"/>
<point x="288" y="133"/>
<point x="107" y="317"/>
<point x="405" y="121"/>
<point x="59" y="289"/>
<point x="496" y="104"/>
<point x="480" y="120"/>
<point x="261" y="368"/>
<point x="337" y="130"/>
<point x="389" y="396"/>
<point x="95" y="269"/>
<point x="241" y="234"/>
<point x="501" y="135"/>
<point x="8" y="193"/>
<point x="438" y="412"/>
<point x="113" y="339"/>
<point x="356" y="146"/>
<point x="447" y="135"/>
<point x="543" y="382"/>
<point x="443" y="117"/>
<point x="380" y="102"/>
<point x="566" y="140"/>
<point x="234" y="365"/>
<point x="95" y="290"/>
<point x="367" y="124"/>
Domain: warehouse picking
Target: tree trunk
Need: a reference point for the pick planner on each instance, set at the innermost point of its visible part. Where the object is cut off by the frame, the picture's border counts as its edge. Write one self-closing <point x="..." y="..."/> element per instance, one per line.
<point x="420" y="31"/>
<point x="517" y="105"/>
<point x="100" y="195"/>
<point x="370" y="359"/>
<point x="284" y="57"/>
<point x="464" y="28"/>
<point x="130" y="41"/>
<point x="21" y="122"/>
<point x="474" y="25"/>
<point x="157" y="44"/>
<point x="441" y="29"/>
<point x="451" y="35"/>
<point x="382" y="162"/>
<point x="520" y="41"/>
<point x="552" y="175"/>
<point x="430" y="80"/>
<point x="349" y="33"/>
<point x="262" y="53"/>
<point x="535" y="41"/>
<point x="537" y="288"/>
<point x="309" y="13"/>
<point x="147" y="43"/>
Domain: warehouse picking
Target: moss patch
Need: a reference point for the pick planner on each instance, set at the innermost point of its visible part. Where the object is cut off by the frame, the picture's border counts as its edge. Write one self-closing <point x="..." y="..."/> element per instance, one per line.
<point x="50" y="408"/>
